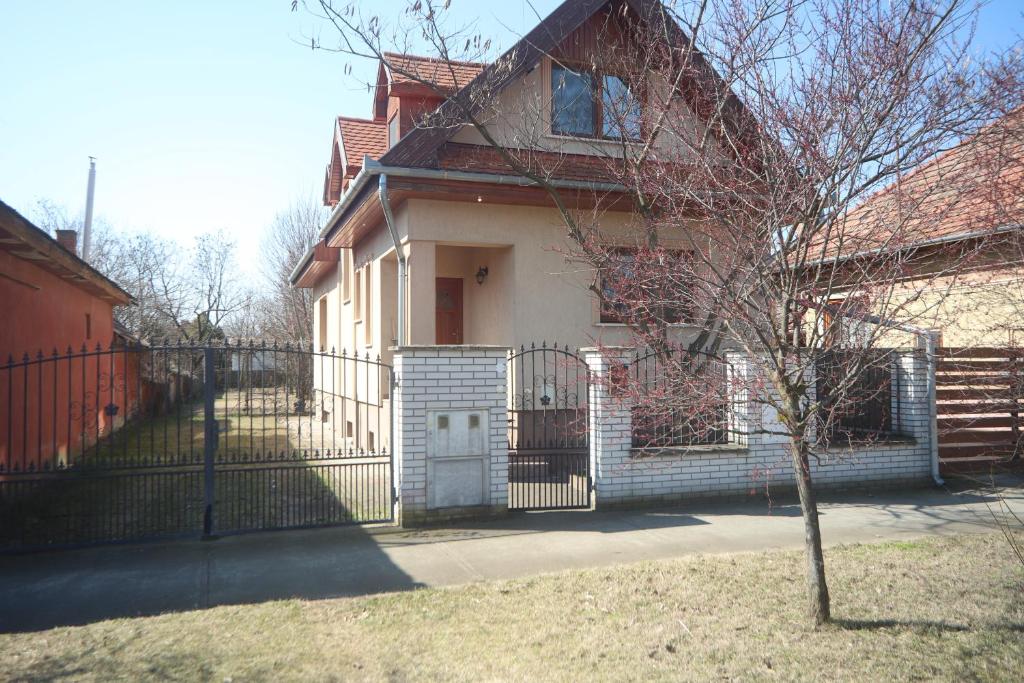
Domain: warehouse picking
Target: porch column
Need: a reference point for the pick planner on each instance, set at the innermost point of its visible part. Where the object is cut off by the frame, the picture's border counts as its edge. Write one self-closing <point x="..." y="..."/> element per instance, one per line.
<point x="451" y="433"/>
<point x="611" y="424"/>
<point x="421" y="295"/>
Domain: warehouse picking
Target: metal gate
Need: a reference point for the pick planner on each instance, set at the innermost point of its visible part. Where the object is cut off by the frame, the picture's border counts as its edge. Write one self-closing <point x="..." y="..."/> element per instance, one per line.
<point x="549" y="454"/>
<point x="141" y="442"/>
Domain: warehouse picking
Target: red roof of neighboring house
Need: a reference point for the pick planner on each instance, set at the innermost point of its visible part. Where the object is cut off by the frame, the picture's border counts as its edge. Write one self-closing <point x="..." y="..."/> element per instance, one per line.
<point x="976" y="187"/>
<point x="449" y="76"/>
<point x="361" y="137"/>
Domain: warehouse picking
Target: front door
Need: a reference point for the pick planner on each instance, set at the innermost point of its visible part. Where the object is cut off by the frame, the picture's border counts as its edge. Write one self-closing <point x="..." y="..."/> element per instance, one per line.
<point x="448" y="314"/>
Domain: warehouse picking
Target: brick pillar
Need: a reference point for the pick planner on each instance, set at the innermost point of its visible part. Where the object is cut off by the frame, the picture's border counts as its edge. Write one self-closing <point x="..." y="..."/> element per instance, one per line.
<point x="445" y="468"/>
<point x="918" y="410"/>
<point x="745" y="416"/>
<point x="611" y="425"/>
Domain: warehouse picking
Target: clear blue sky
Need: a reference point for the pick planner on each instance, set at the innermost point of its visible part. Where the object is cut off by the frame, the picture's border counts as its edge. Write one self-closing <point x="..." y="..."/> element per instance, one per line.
<point x="203" y="115"/>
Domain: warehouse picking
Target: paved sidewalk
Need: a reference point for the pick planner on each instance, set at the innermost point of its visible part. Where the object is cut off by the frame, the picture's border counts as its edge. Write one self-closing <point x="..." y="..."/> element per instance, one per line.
<point x="75" y="587"/>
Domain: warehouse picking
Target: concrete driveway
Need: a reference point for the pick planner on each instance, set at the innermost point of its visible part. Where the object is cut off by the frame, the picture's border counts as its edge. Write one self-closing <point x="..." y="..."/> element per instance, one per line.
<point x="43" y="590"/>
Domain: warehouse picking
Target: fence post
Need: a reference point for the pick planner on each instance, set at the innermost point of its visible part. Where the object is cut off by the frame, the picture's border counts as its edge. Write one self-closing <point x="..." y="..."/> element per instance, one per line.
<point x="210" y="435"/>
<point x="930" y="342"/>
<point x="611" y="425"/>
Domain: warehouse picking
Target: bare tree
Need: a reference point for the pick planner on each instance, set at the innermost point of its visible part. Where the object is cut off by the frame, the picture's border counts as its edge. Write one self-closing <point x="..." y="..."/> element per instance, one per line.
<point x="51" y="217"/>
<point x="192" y="295"/>
<point x="746" y="143"/>
<point x="287" y="310"/>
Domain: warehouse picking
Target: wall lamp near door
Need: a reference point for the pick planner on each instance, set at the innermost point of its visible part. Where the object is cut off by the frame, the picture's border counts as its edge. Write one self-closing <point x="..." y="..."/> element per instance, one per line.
<point x="481" y="275"/>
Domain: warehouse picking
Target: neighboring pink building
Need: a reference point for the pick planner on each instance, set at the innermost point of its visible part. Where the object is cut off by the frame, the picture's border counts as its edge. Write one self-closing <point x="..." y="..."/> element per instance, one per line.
<point x="51" y="298"/>
<point x="52" y="301"/>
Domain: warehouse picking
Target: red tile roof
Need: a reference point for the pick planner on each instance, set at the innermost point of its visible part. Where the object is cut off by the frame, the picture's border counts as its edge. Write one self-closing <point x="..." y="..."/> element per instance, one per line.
<point x="978" y="186"/>
<point x="486" y="159"/>
<point x="448" y="76"/>
<point x="362" y="137"/>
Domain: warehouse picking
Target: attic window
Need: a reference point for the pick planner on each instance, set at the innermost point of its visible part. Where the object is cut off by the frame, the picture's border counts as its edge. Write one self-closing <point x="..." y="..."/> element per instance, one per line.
<point x="620" y="110"/>
<point x="587" y="104"/>
<point x="572" y="102"/>
<point x="393" y="131"/>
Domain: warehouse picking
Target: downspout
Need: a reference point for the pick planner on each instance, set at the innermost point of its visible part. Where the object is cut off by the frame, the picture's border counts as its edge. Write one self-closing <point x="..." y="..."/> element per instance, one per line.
<point x="389" y="218"/>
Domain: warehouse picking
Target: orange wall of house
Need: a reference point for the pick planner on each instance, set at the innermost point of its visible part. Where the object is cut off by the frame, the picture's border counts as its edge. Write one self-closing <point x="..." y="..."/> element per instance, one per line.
<point x="51" y="409"/>
<point x="42" y="312"/>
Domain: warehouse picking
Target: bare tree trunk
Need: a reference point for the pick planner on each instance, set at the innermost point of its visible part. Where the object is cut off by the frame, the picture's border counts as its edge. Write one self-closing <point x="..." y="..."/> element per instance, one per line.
<point x="817" y="589"/>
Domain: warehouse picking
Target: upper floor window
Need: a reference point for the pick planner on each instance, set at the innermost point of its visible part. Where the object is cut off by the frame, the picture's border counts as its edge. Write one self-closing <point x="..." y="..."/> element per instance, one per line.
<point x="620" y="109"/>
<point x="592" y="105"/>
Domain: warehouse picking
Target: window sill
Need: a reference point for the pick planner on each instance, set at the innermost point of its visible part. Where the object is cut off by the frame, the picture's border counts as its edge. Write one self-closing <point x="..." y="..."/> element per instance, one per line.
<point x="566" y="137"/>
<point x="879" y="440"/>
<point x="675" y="325"/>
<point x="648" y="452"/>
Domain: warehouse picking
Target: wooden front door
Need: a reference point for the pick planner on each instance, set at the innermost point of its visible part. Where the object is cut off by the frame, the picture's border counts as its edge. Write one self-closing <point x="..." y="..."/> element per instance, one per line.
<point x="448" y="315"/>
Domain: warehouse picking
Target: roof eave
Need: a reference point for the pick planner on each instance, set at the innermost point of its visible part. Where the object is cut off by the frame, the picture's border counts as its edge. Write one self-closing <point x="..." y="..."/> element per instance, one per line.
<point x="37" y="239"/>
<point x="373" y="168"/>
<point x="923" y="244"/>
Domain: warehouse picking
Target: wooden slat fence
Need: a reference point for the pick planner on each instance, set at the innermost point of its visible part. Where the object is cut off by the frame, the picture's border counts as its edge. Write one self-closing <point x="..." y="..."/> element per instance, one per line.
<point x="979" y="395"/>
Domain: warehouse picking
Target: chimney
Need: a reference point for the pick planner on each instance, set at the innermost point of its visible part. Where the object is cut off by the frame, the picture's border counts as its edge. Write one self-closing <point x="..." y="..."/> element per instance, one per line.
<point x="68" y="239"/>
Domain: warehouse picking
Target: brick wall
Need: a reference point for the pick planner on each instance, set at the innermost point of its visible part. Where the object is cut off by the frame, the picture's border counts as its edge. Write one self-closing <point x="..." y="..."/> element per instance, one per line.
<point x="624" y="474"/>
<point x="432" y="378"/>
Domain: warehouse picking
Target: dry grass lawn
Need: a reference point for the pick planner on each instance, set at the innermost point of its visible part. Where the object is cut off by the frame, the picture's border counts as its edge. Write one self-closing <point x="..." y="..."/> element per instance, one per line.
<point x="942" y="608"/>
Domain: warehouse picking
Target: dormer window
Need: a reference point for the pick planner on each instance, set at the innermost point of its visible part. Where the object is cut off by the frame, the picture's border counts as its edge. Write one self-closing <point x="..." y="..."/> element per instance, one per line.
<point x="393" y="131"/>
<point x="585" y="104"/>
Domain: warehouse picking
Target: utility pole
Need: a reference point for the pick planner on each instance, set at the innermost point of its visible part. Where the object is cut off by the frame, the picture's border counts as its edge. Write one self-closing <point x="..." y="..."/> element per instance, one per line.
<point x="87" y="229"/>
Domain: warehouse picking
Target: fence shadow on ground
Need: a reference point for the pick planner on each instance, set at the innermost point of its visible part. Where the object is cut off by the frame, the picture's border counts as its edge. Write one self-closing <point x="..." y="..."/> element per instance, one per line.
<point x="69" y="588"/>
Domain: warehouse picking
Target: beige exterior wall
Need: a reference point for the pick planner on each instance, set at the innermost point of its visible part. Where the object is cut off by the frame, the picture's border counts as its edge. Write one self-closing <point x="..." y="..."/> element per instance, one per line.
<point x="531" y="293"/>
<point x="327" y="290"/>
<point x="521" y="118"/>
<point x="975" y="309"/>
<point x="980" y="308"/>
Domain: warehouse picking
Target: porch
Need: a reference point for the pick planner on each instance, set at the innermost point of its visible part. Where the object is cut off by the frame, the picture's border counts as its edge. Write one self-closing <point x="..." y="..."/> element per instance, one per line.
<point x="460" y="294"/>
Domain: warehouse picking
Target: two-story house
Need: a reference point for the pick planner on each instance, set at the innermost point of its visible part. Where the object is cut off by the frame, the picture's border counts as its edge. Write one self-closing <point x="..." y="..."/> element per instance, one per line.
<point x="434" y="240"/>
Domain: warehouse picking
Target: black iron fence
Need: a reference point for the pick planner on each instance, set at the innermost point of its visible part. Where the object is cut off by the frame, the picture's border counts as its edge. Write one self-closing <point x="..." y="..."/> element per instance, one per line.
<point x="858" y="393"/>
<point x="680" y="398"/>
<point x="139" y="442"/>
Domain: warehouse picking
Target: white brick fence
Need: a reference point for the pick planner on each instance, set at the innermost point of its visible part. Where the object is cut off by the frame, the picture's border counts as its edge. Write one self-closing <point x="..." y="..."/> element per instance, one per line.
<point x="451" y="422"/>
<point x="626" y="475"/>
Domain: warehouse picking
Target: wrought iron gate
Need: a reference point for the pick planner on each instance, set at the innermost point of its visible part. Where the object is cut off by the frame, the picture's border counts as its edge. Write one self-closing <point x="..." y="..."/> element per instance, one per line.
<point x="549" y="454"/>
<point x="140" y="442"/>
